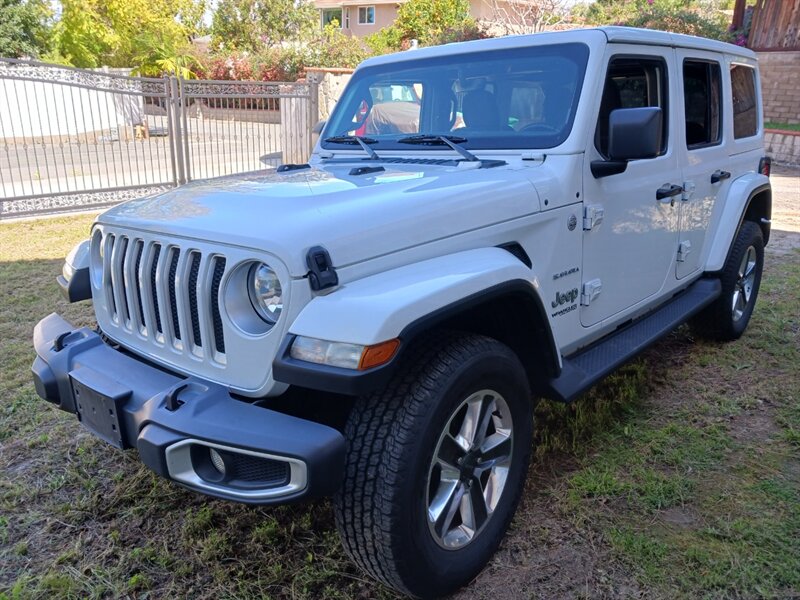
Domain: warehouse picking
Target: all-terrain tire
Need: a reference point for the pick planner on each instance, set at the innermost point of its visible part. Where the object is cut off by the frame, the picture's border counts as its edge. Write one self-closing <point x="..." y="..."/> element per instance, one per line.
<point x="723" y="320"/>
<point x="382" y="508"/>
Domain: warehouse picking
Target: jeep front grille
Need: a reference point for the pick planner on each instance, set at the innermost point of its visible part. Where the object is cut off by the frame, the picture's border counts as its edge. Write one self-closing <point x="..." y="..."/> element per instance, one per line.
<point x="164" y="293"/>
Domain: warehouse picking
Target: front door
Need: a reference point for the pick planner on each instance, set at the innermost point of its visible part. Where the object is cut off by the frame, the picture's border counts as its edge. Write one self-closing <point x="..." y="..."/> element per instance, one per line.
<point x="628" y="255"/>
<point x="706" y="168"/>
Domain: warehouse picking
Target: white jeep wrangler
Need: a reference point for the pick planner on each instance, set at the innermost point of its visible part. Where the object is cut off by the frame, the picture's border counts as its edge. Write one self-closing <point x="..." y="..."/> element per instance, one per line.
<point x="480" y="224"/>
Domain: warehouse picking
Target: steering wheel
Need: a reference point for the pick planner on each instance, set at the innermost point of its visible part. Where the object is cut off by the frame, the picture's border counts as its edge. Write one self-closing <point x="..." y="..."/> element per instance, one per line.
<point x="542" y="127"/>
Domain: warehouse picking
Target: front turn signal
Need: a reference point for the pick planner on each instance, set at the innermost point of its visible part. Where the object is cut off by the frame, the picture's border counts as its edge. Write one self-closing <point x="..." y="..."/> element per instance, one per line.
<point x="379" y="354"/>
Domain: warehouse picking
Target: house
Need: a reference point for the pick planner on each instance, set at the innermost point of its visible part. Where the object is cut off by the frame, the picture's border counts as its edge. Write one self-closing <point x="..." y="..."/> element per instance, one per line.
<point x="360" y="17"/>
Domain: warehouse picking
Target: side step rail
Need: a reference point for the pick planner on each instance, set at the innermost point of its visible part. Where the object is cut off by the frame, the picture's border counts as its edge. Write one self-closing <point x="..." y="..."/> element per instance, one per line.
<point x="588" y="366"/>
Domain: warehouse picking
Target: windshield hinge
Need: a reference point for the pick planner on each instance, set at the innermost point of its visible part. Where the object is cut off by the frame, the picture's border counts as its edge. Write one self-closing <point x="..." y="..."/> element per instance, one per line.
<point x="533" y="156"/>
<point x="321" y="273"/>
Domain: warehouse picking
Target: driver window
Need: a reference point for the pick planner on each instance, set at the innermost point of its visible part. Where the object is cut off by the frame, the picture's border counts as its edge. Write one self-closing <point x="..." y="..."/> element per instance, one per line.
<point x="632" y="82"/>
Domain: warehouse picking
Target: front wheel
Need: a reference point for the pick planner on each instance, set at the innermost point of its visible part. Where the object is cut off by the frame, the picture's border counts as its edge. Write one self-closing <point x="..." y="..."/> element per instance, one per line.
<point x="727" y="318"/>
<point x="436" y="464"/>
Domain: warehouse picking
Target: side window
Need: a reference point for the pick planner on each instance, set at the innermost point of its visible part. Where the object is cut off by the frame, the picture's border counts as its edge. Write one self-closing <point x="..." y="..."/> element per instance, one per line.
<point x="745" y="108"/>
<point x="632" y="82"/>
<point x="702" y="101"/>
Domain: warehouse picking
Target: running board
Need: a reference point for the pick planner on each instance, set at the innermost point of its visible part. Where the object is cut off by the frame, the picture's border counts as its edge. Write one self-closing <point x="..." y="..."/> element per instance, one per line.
<point x="582" y="370"/>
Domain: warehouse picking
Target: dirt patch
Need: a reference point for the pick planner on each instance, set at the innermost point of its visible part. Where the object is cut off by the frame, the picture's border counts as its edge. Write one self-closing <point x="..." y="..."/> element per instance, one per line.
<point x="546" y="556"/>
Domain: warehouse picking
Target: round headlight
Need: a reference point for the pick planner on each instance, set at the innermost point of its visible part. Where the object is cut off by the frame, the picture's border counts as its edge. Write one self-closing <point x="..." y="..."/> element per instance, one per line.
<point x="265" y="292"/>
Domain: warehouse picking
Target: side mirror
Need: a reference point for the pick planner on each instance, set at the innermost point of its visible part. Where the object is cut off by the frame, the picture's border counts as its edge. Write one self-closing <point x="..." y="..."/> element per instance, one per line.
<point x="633" y="134"/>
<point x="319" y="127"/>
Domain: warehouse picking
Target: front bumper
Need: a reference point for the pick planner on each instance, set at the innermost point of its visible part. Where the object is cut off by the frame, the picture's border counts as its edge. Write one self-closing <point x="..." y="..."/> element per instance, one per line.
<point x="174" y="422"/>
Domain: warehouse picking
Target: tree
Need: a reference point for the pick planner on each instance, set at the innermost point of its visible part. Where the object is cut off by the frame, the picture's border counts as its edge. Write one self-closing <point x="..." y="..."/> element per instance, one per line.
<point x="24" y="27"/>
<point x="511" y="17"/>
<point x="695" y="17"/>
<point x="117" y="33"/>
<point x="251" y="25"/>
<point x="427" y="20"/>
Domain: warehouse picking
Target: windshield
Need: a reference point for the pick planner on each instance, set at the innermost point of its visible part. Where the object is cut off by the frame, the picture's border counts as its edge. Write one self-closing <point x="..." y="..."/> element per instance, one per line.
<point x="515" y="98"/>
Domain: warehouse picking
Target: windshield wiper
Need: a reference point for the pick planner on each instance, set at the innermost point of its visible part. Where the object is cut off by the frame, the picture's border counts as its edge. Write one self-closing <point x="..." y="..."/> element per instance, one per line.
<point x="356" y="139"/>
<point x="441" y="140"/>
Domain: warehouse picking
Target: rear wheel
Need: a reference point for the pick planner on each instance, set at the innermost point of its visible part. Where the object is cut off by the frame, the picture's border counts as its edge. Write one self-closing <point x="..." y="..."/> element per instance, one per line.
<point x="435" y="466"/>
<point x="727" y="318"/>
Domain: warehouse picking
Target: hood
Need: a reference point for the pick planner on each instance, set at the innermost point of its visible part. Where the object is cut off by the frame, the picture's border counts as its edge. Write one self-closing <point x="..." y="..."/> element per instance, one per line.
<point x="355" y="217"/>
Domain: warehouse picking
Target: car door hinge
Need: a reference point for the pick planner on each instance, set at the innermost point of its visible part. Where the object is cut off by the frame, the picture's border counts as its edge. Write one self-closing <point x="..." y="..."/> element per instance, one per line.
<point x="592" y="216"/>
<point x="321" y="274"/>
<point x="591" y="290"/>
<point x="684" y="248"/>
<point x="688" y="190"/>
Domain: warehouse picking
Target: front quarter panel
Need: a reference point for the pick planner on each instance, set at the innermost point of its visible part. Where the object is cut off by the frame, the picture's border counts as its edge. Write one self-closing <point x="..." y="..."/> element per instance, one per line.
<point x="377" y="308"/>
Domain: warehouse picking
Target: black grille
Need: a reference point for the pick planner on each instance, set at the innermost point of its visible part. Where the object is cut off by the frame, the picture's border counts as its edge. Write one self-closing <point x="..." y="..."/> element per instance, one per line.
<point x="216" y="280"/>
<point x="126" y="311"/>
<point x="173" y="300"/>
<point x="254" y="469"/>
<point x="154" y="288"/>
<point x="139" y="251"/>
<point x="193" y="271"/>
<point x="152" y="281"/>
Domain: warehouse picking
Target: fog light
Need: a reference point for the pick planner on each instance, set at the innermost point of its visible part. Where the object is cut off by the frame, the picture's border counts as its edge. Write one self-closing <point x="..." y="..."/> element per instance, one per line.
<point x="217" y="461"/>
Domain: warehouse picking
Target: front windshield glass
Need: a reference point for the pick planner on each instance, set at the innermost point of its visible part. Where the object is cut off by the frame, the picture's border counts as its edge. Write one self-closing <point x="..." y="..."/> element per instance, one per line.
<point x="515" y="98"/>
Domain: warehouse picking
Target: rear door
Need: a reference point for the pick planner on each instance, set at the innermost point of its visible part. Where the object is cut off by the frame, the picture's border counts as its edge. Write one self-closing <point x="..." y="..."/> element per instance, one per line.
<point x="704" y="156"/>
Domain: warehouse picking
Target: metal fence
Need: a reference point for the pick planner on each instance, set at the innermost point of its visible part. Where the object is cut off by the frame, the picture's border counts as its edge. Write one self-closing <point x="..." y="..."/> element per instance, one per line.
<point x="77" y="139"/>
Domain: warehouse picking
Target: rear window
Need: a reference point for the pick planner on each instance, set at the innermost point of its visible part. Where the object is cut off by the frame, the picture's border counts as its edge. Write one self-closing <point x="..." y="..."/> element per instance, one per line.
<point x="745" y="109"/>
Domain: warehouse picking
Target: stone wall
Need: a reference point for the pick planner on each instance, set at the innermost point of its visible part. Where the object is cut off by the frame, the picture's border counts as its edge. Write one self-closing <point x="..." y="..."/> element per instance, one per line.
<point x="330" y="83"/>
<point x="783" y="146"/>
<point x="780" y="85"/>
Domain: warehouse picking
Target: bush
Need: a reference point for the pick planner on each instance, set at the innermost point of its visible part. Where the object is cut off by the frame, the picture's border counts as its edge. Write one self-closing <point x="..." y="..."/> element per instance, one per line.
<point x="681" y="21"/>
<point x="678" y="16"/>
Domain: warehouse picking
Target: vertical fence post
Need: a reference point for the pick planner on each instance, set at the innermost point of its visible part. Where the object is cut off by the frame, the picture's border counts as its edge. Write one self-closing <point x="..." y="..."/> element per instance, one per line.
<point x="183" y="108"/>
<point x="170" y="129"/>
<point x="313" y="106"/>
<point x="176" y="129"/>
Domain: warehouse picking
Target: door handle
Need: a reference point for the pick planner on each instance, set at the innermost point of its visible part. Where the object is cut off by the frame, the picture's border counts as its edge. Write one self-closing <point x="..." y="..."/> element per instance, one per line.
<point x="668" y="193"/>
<point x="718" y="176"/>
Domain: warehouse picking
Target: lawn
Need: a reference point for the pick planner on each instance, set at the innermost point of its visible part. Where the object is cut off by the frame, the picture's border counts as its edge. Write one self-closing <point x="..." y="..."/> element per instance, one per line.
<point x="782" y="126"/>
<point x="677" y="477"/>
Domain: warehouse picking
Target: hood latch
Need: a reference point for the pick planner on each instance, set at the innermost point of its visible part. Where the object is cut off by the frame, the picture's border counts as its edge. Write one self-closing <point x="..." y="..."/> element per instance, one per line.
<point x="321" y="275"/>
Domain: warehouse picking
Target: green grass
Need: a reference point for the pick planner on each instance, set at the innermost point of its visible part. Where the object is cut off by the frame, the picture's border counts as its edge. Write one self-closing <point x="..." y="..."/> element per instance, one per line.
<point x="782" y="126"/>
<point x="683" y="469"/>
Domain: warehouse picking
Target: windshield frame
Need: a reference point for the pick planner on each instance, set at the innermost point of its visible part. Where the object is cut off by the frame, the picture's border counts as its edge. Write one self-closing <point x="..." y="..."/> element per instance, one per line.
<point x="400" y="72"/>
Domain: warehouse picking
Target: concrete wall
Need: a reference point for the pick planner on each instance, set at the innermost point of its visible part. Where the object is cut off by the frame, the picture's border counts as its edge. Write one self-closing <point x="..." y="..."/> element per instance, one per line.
<point x="780" y="84"/>
<point x="783" y="146"/>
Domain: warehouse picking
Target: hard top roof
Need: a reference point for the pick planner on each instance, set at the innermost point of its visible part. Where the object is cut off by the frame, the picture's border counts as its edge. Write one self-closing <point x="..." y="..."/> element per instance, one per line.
<point x="628" y="35"/>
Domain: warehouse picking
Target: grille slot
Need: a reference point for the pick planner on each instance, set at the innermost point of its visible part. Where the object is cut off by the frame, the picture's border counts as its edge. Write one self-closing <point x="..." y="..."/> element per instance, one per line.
<point x="154" y="286"/>
<point x="195" y="316"/>
<point x="216" y="280"/>
<point x="138" y="278"/>
<point x="147" y="281"/>
<point x="173" y="292"/>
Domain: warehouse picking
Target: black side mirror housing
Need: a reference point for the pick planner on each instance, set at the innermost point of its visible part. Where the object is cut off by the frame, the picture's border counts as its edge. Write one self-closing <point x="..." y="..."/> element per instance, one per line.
<point x="319" y="127"/>
<point x="633" y="134"/>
